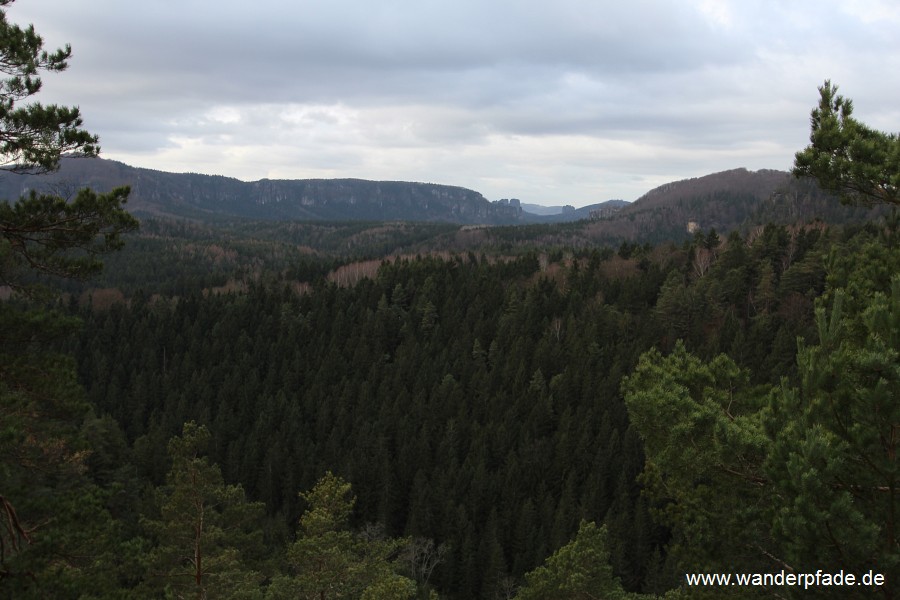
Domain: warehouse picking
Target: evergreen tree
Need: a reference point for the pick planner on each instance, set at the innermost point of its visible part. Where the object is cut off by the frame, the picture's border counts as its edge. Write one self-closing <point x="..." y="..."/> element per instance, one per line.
<point x="579" y="570"/>
<point x="53" y="530"/>
<point x="797" y="476"/>
<point x="330" y="562"/>
<point x="835" y="441"/>
<point x="704" y="441"/>
<point x="45" y="235"/>
<point x="33" y="136"/>
<point x="206" y="532"/>
<point x="846" y="156"/>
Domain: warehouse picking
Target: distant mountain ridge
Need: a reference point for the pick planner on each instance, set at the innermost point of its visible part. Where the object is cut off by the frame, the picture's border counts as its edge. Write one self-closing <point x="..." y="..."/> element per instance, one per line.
<point x="541" y="210"/>
<point x="728" y="200"/>
<point x="760" y="184"/>
<point x="213" y="197"/>
<point x="725" y="201"/>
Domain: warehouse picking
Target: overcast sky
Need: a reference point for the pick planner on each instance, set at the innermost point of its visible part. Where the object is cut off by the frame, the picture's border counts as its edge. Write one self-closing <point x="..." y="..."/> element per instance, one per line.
<point x="553" y="102"/>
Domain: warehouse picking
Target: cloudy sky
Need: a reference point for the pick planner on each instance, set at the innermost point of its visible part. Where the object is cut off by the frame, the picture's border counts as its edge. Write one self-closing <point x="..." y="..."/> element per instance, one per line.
<point x="562" y="102"/>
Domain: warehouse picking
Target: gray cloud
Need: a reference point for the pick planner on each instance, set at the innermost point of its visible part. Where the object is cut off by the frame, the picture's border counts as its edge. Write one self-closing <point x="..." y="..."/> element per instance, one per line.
<point x="574" y="101"/>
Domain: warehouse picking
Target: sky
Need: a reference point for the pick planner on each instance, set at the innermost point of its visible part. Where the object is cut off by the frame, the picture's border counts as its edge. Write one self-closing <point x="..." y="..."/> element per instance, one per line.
<point x="564" y="102"/>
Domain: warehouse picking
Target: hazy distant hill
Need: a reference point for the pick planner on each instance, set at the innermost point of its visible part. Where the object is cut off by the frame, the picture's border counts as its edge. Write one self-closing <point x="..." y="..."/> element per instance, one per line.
<point x="735" y="199"/>
<point x="207" y="197"/>
<point x="542" y="211"/>
<point x="758" y="184"/>
<point x="725" y="201"/>
<point x="565" y="214"/>
<point x="731" y="200"/>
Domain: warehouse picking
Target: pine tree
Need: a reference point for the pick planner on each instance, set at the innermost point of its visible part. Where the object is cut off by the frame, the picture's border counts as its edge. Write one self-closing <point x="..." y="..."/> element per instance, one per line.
<point x="329" y="561"/>
<point x="42" y="455"/>
<point x="703" y="436"/>
<point x="835" y="442"/>
<point x="846" y="156"/>
<point x="54" y="527"/>
<point x="579" y="570"/>
<point x="32" y="137"/>
<point x="206" y="531"/>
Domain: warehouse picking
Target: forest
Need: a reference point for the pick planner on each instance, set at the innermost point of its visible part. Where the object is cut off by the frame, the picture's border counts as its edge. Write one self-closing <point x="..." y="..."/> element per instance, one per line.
<point x="458" y="421"/>
<point x="333" y="410"/>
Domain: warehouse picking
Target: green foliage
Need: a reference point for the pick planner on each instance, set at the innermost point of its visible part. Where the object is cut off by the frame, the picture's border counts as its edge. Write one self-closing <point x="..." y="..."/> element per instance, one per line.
<point x="205" y="531"/>
<point x="847" y="157"/>
<point x="800" y="476"/>
<point x="330" y="562"/>
<point x="580" y="570"/>
<point x="702" y="432"/>
<point x="33" y="136"/>
<point x="50" y="236"/>
<point x="475" y="402"/>
<point x="44" y="234"/>
<point x="471" y="401"/>
<point x="441" y="434"/>
<point x="56" y="535"/>
<point x="391" y="587"/>
<point x="835" y="439"/>
<point x="54" y="541"/>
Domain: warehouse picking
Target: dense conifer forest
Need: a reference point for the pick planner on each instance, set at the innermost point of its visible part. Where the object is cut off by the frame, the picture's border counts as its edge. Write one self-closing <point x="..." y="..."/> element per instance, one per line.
<point x="472" y="404"/>
<point x="398" y="411"/>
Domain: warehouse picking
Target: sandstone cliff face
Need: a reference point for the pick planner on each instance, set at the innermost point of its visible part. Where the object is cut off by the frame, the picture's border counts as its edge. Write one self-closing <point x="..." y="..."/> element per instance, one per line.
<point x="192" y="195"/>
